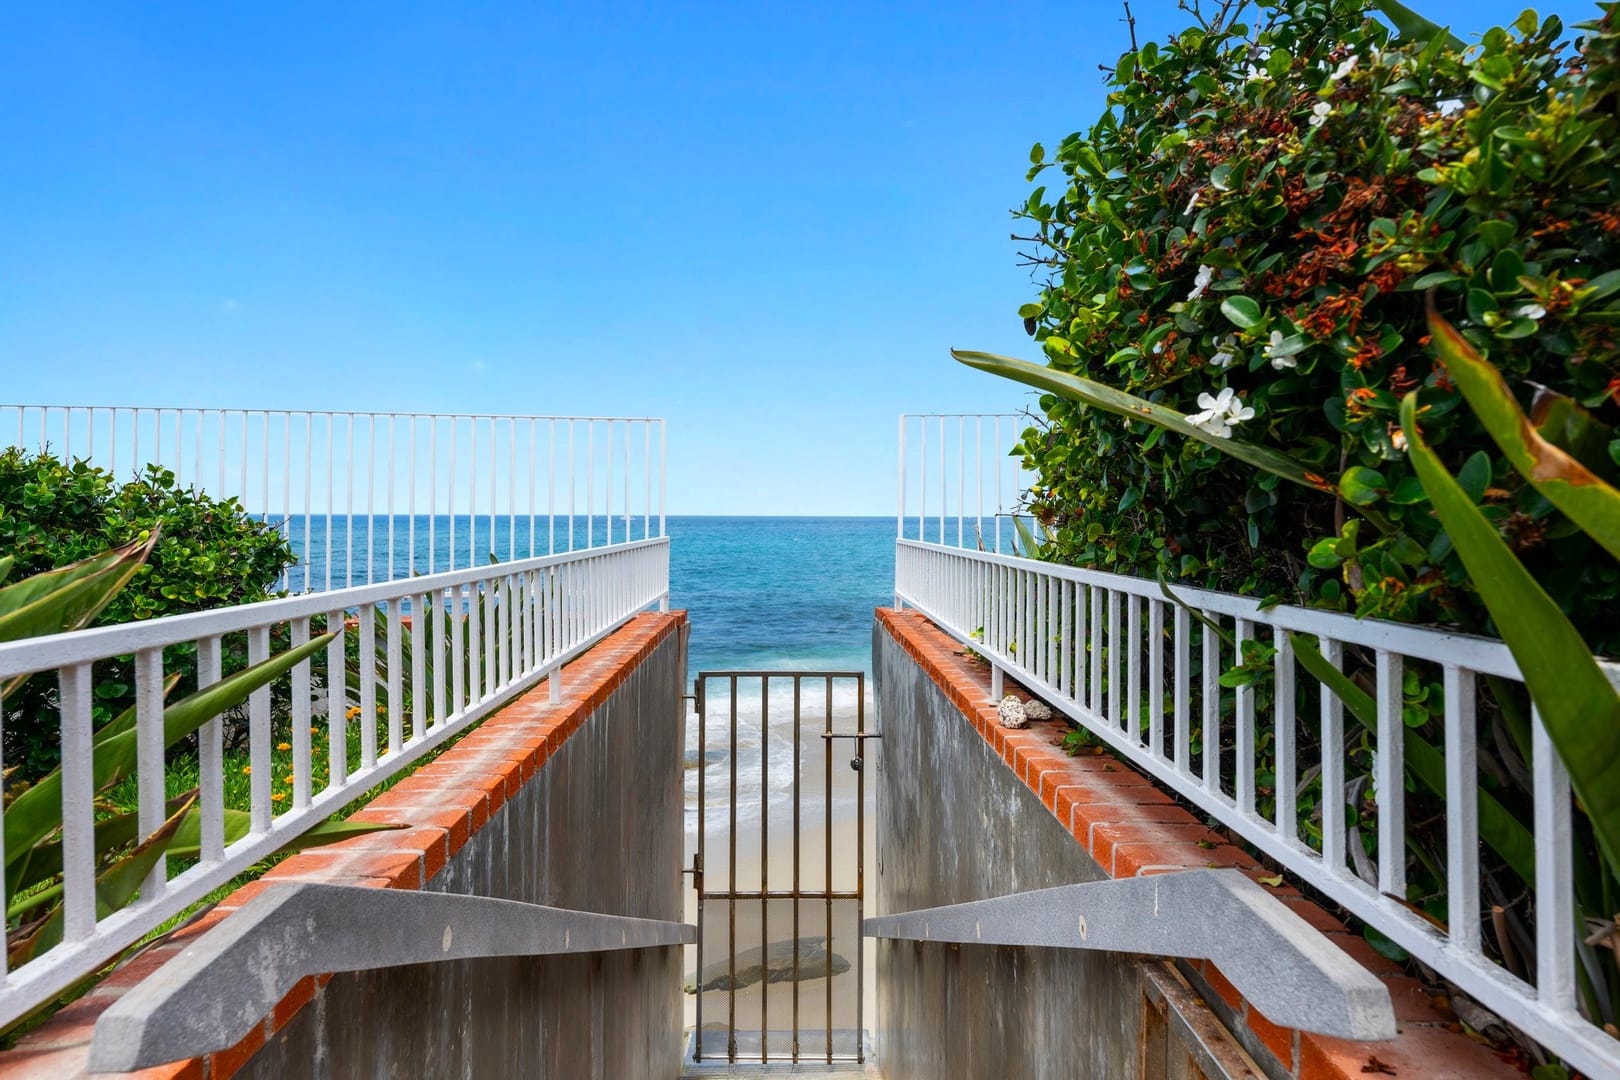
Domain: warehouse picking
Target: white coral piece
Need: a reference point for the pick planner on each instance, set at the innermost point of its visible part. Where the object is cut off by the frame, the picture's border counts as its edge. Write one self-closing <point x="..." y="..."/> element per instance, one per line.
<point x="1037" y="710"/>
<point x="1012" y="714"/>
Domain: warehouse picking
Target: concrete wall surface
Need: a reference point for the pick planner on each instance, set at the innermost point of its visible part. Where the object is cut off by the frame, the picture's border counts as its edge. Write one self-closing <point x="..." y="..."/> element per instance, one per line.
<point x="596" y="828"/>
<point x="954" y="824"/>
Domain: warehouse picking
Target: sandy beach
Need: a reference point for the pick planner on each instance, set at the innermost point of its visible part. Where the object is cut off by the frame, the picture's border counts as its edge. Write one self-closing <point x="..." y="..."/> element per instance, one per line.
<point x="827" y="934"/>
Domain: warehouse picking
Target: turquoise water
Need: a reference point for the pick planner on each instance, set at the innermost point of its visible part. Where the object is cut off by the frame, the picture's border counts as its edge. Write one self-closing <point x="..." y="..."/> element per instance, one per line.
<point x="781" y="592"/>
<point x="763" y="592"/>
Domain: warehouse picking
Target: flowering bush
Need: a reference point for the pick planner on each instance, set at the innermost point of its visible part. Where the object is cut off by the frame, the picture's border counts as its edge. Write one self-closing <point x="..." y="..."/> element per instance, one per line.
<point x="1247" y="237"/>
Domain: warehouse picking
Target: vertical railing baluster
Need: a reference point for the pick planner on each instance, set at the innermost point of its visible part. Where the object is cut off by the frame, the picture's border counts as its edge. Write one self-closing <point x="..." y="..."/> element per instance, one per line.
<point x="1133" y="666"/>
<point x="1389" y="776"/>
<point x="337" y="702"/>
<point x="1210" y="699"/>
<point x="1333" y="819"/>
<point x="300" y="717"/>
<point x="78" y="805"/>
<point x="1555" y="891"/>
<point x="1283" y="734"/>
<point x="259" y="804"/>
<point x="1462" y="809"/>
<point x="1183" y="706"/>
<point x="1243" y="787"/>
<point x="368" y="685"/>
<point x="396" y="677"/>
<point x="1156" y="677"/>
<point x="211" y="755"/>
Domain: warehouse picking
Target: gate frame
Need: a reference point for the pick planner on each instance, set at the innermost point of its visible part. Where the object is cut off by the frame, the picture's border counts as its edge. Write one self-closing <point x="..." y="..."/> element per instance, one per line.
<point x="732" y="896"/>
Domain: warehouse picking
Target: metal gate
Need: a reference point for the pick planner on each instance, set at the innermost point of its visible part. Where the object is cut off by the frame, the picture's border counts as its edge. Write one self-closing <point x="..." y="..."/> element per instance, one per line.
<point x="778" y="866"/>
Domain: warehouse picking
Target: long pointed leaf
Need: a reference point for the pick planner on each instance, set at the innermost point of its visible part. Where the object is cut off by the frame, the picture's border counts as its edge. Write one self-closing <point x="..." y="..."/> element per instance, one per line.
<point x="115" y="887"/>
<point x="37" y="812"/>
<point x="45" y="860"/>
<point x="69" y="596"/>
<point x="1128" y="405"/>
<point x="1581" y="494"/>
<point x="1504" y="833"/>
<point x="1414" y="27"/>
<point x="1579" y="707"/>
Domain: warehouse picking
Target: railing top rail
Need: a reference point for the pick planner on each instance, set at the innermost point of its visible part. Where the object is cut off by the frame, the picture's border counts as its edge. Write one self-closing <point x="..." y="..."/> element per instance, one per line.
<point x="1488" y="656"/>
<point x="83" y="646"/>
<point x="330" y="412"/>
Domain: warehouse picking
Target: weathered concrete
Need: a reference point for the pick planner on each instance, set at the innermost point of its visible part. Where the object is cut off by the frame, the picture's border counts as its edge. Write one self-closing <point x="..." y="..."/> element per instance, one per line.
<point x="953" y="825"/>
<point x="598" y="828"/>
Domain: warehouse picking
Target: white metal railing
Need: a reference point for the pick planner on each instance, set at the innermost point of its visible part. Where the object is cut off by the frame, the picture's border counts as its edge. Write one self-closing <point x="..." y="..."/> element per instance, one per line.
<point x="973" y="450"/>
<point x="424" y="658"/>
<point x="365" y="497"/>
<point x="1117" y="656"/>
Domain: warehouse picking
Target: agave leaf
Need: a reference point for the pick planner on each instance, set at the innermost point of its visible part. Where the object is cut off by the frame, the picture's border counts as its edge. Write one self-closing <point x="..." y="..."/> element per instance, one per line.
<point x="6" y="563"/>
<point x="1504" y="833"/>
<point x="1579" y="707"/>
<point x="1562" y="421"/>
<point x="1128" y="405"/>
<point x="44" y="861"/>
<point x="1414" y="27"/>
<point x="37" y="812"/>
<point x="1030" y="547"/>
<point x="116" y="886"/>
<point x="68" y="597"/>
<point x="1583" y="496"/>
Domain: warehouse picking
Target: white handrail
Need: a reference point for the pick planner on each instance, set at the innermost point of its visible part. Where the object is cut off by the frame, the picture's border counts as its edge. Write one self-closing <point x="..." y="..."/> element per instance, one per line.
<point x="364" y="497"/>
<point x="499" y="628"/>
<point x="1116" y="655"/>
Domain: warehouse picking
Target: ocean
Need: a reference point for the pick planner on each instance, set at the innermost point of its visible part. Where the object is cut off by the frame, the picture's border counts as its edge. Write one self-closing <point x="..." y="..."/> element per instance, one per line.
<point x="762" y="593"/>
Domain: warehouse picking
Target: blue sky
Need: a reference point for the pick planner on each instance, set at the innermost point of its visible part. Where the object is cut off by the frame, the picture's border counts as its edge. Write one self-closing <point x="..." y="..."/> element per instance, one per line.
<point x="765" y="222"/>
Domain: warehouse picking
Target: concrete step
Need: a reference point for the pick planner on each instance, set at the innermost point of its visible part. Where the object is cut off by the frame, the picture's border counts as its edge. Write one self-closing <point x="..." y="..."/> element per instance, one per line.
<point x="748" y="1047"/>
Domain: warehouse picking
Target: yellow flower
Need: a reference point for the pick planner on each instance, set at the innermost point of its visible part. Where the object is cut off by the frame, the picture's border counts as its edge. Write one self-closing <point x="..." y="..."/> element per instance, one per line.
<point x="352" y="712"/>
<point x="284" y="746"/>
<point x="278" y="796"/>
<point x="289" y="779"/>
<point x="247" y="770"/>
<point x="314" y="731"/>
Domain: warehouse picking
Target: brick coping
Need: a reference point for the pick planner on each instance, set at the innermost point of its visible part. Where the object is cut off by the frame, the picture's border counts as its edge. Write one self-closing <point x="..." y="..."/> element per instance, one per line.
<point x="1130" y="827"/>
<point x="443" y="804"/>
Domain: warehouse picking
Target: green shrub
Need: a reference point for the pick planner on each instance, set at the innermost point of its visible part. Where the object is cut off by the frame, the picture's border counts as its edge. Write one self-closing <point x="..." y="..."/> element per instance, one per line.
<point x="212" y="553"/>
<point x="1263" y="209"/>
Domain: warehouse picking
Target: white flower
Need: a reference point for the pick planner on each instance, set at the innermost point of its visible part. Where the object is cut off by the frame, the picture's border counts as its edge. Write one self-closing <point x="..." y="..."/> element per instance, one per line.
<point x="1220" y="413"/>
<point x="1529" y="311"/>
<point x="1257" y="75"/>
<point x="1192" y="202"/>
<point x="1224" y="351"/>
<point x="1449" y="106"/>
<point x="1319" y="113"/>
<point x="1279" y="363"/>
<point x="1343" y="69"/>
<point x="1206" y="274"/>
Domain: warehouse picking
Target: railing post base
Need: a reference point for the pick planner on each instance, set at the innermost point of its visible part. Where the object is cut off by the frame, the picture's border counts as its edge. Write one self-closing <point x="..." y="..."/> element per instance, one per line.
<point x="554" y="686"/>
<point x="996" y="681"/>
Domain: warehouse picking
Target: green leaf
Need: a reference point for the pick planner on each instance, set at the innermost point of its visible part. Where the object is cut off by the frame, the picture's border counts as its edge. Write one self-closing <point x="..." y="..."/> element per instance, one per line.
<point x="1475" y="475"/>
<point x="115" y="886"/>
<point x="1243" y="312"/>
<point x="1579" y="707"/>
<point x="37" y="812"/>
<point x="1582" y="495"/>
<point x="1414" y="27"/>
<point x="1362" y="486"/>
<point x="1129" y="405"/>
<point x="1506" y="834"/>
<point x="70" y="596"/>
